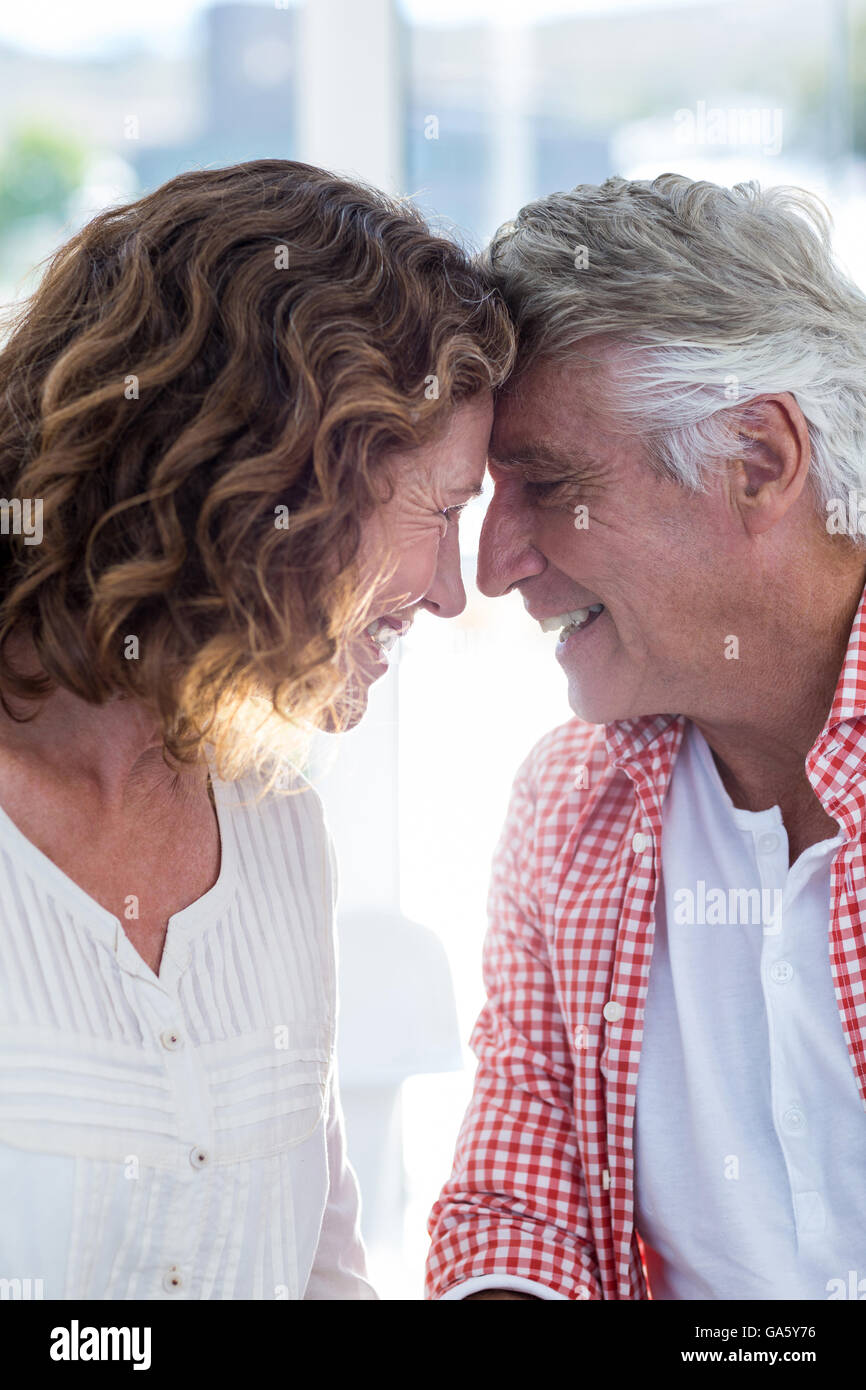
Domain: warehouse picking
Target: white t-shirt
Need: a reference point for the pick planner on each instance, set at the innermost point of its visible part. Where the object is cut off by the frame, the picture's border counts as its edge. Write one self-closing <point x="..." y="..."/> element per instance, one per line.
<point x="750" y="1134"/>
<point x="179" y="1136"/>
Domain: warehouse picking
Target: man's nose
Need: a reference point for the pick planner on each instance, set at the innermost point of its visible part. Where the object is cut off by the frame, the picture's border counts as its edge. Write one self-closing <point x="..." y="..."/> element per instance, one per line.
<point x="446" y="596"/>
<point x="506" y="554"/>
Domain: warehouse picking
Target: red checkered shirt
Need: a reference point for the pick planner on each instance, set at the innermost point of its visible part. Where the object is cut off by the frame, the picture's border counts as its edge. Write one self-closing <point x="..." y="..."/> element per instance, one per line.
<point x="542" y="1186"/>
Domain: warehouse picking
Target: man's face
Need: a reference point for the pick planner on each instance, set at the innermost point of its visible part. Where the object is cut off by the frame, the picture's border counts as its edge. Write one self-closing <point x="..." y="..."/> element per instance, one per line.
<point x="670" y="569"/>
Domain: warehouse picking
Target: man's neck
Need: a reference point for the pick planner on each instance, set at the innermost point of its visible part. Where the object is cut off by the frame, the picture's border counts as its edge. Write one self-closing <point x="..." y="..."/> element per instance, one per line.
<point x="760" y="748"/>
<point x="762" y="766"/>
<point x="781" y="781"/>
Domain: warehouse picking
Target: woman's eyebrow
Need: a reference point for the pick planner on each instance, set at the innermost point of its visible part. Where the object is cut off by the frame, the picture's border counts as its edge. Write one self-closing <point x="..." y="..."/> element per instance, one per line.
<point x="474" y="489"/>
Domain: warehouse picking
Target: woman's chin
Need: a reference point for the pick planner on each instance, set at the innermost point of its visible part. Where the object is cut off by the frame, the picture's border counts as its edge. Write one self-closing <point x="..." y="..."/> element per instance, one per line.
<point x="348" y="716"/>
<point x="349" y="709"/>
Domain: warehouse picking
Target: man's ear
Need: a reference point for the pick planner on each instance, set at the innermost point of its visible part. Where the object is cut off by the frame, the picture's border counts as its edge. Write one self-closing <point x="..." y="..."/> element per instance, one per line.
<point x="769" y="472"/>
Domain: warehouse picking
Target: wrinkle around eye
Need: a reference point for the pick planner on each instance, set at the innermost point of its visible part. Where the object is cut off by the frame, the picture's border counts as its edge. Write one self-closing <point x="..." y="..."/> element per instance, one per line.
<point x="554" y="493"/>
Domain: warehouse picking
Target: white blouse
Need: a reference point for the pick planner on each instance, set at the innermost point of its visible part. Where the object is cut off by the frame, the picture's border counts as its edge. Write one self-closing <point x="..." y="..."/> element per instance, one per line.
<point x="180" y="1136"/>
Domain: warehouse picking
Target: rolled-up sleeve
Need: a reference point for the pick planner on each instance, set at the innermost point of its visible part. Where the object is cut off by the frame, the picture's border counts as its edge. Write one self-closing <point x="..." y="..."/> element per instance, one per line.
<point x="515" y="1203"/>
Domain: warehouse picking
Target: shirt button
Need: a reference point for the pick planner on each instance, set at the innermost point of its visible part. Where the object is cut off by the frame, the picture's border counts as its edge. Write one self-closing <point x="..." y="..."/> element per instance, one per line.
<point x="172" y="1280"/>
<point x="171" y="1039"/>
<point x="640" y="842"/>
<point x="199" y="1158"/>
<point x="782" y="971"/>
<point x="768" y="844"/>
<point x="613" y="1011"/>
<point x="794" y="1120"/>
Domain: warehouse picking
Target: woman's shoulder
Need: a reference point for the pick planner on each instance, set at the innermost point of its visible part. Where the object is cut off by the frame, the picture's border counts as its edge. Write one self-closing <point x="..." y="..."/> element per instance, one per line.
<point x="288" y="797"/>
<point x="281" y="820"/>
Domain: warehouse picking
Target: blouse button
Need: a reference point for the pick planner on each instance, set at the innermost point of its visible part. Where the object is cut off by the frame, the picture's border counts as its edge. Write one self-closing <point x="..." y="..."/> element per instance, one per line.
<point x="172" y="1280"/>
<point x="613" y="1011"/>
<point x="171" y="1039"/>
<point x="199" y="1158"/>
<point x="639" y="842"/>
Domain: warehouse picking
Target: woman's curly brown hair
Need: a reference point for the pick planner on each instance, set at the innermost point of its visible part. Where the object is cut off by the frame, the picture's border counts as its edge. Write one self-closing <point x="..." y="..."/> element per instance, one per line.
<point x="201" y="393"/>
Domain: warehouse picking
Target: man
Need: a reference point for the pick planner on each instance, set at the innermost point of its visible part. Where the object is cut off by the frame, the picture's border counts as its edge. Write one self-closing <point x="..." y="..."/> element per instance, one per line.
<point x="672" y="1057"/>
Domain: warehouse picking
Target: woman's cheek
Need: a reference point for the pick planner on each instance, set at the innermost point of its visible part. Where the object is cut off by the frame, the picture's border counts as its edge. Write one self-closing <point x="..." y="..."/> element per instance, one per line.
<point x="436" y="555"/>
<point x="418" y="568"/>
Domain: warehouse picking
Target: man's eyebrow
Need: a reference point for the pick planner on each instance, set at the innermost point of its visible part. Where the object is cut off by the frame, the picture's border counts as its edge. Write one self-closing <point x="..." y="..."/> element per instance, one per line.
<point x="541" y="457"/>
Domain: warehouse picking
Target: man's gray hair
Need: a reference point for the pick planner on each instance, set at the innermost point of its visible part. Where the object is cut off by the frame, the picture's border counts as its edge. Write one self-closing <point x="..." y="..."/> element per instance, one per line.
<point x="712" y="296"/>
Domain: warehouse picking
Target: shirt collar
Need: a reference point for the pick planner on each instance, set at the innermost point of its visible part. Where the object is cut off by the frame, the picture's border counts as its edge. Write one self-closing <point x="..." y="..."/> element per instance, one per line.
<point x="849" y="701"/>
<point x="628" y="739"/>
<point x="835" y="762"/>
<point x="645" y="748"/>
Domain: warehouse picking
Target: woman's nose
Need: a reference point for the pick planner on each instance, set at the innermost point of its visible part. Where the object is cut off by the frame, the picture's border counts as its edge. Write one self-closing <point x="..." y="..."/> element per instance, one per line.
<point x="446" y="596"/>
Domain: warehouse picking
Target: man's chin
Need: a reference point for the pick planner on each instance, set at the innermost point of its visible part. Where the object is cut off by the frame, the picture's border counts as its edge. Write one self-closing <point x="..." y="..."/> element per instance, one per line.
<point x="601" y="707"/>
<point x="595" y="706"/>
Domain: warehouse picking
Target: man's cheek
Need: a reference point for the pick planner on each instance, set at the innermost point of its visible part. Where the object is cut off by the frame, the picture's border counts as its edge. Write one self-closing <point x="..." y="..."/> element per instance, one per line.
<point x="559" y="537"/>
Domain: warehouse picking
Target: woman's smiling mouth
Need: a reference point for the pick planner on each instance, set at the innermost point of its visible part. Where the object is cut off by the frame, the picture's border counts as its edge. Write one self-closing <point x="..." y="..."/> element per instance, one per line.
<point x="384" y="633"/>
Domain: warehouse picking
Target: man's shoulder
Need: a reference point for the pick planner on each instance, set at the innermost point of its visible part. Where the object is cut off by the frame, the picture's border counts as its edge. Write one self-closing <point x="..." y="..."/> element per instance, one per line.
<point x="571" y="755"/>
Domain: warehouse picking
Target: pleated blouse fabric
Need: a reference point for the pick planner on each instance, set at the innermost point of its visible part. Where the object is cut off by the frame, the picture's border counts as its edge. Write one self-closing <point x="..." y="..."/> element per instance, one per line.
<point x="180" y="1136"/>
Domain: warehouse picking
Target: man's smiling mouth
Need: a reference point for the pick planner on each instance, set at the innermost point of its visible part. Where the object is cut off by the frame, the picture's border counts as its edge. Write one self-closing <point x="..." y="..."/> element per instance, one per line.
<point x="571" y="622"/>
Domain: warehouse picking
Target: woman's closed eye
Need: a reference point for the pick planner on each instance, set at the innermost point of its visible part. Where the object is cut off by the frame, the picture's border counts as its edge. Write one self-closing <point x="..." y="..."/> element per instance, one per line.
<point x="447" y="514"/>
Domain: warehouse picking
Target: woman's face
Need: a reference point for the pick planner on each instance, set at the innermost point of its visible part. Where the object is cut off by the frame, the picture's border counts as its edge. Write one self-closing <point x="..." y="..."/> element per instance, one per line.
<point x="416" y="534"/>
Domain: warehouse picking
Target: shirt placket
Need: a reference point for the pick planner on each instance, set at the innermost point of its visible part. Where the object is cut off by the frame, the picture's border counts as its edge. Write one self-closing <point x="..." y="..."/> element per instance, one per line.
<point x="781" y="968"/>
<point x="157" y="1004"/>
<point x="623" y="1014"/>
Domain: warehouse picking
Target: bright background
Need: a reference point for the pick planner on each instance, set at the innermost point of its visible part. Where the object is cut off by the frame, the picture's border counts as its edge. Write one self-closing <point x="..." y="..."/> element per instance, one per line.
<point x="101" y="102"/>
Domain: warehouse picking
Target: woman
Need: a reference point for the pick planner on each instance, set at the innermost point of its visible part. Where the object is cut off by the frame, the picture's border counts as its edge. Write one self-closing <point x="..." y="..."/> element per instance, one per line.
<point x="246" y="411"/>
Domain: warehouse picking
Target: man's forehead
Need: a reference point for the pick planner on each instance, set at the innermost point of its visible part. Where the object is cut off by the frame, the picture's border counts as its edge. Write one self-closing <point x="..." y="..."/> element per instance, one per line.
<point x="548" y="390"/>
<point x="540" y="427"/>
